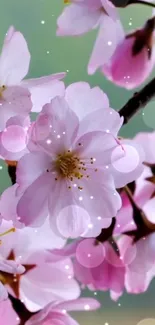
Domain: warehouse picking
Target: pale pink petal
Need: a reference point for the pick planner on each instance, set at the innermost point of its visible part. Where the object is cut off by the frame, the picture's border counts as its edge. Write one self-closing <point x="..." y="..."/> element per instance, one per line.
<point x="13" y="142"/>
<point x="54" y="283"/>
<point x="146" y="140"/>
<point x="77" y="19"/>
<point x="11" y="267"/>
<point x="15" y="101"/>
<point x="149" y="210"/>
<point x="30" y="167"/>
<point x="32" y="207"/>
<point x="44" y="89"/>
<point x="101" y="146"/>
<point x="14" y="59"/>
<point x="79" y="304"/>
<point x="104" y="119"/>
<point x="110" y="9"/>
<point x="8" y="211"/>
<point x="7" y="313"/>
<point x="84" y="100"/>
<point x="55" y="128"/>
<point x="129" y="167"/>
<point x="3" y="296"/>
<point x="106" y="43"/>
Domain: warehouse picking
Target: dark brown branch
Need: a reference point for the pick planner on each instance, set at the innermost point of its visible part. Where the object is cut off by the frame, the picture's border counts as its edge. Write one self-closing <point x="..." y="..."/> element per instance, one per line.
<point x="132" y="2"/>
<point x="23" y="313"/>
<point x="138" y="101"/>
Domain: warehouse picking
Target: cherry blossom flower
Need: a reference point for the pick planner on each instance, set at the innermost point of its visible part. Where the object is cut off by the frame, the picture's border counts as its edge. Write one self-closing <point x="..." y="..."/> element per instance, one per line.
<point x="96" y="265"/>
<point x="15" y="93"/>
<point x="81" y="16"/>
<point x="41" y="282"/>
<point x="58" y="312"/>
<point x="133" y="59"/>
<point x="81" y="164"/>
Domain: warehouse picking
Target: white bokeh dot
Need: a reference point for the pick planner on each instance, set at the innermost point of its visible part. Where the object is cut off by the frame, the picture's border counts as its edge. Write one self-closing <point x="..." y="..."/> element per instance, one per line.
<point x="88" y="254"/>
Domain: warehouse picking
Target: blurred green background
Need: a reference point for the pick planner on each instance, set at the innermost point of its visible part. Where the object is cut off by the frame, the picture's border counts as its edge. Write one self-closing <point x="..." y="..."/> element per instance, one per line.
<point x="36" y="19"/>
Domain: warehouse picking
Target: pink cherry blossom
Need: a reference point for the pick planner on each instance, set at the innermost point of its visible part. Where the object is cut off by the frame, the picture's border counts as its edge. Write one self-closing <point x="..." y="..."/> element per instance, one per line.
<point x="57" y="136"/>
<point x="133" y="59"/>
<point x="41" y="282"/>
<point x="14" y="92"/>
<point x="56" y="313"/>
<point x="96" y="266"/>
<point x="81" y="16"/>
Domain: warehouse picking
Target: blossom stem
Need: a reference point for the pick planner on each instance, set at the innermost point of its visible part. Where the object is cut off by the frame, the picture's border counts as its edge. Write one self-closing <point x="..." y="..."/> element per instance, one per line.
<point x="138" y="101"/>
<point x="141" y="2"/>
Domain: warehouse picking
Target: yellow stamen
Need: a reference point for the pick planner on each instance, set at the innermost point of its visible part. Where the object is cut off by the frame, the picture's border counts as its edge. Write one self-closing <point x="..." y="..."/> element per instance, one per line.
<point x="66" y="2"/>
<point x="8" y="232"/>
<point x="2" y="88"/>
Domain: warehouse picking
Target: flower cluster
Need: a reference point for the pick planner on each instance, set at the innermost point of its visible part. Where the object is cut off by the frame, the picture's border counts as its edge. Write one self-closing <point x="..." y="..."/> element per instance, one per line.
<point x="73" y="177"/>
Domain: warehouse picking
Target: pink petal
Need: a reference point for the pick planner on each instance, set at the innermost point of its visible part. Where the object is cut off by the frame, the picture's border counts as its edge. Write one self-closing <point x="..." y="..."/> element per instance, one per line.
<point x="32" y="207"/>
<point x="15" y="58"/>
<point x="146" y="140"/>
<point x="8" y="211"/>
<point x="84" y="100"/>
<point x="75" y="226"/>
<point x="101" y="146"/>
<point x="15" y="101"/>
<point x="56" y="127"/>
<point x="129" y="167"/>
<point x="110" y="9"/>
<point x="53" y="281"/>
<point x="3" y="296"/>
<point x="104" y="119"/>
<point x="106" y="43"/>
<point x="44" y="89"/>
<point x="79" y="304"/>
<point x="76" y="20"/>
<point x="30" y="167"/>
<point x="7" y="313"/>
<point x="11" y="267"/>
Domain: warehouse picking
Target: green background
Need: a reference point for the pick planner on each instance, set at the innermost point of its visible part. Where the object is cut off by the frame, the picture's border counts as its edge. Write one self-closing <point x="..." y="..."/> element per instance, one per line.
<point x="71" y="55"/>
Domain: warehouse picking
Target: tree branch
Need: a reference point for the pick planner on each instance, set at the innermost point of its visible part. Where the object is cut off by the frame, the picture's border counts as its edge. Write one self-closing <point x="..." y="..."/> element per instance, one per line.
<point x="138" y="101"/>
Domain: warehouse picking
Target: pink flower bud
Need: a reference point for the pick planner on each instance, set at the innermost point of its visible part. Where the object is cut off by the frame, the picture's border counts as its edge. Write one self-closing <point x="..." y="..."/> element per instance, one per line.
<point x="133" y="59"/>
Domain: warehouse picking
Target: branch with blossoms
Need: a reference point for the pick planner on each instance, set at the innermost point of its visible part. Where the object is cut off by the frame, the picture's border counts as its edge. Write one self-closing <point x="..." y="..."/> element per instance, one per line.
<point x="73" y="177"/>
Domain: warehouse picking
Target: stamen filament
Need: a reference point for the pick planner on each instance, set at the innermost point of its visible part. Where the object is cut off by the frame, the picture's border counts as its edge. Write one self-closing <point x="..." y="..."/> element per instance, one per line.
<point x="8" y="232"/>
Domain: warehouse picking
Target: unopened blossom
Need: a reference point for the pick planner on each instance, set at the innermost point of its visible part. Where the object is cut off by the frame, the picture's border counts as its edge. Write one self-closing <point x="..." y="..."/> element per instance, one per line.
<point x="134" y="58"/>
<point x="57" y="313"/>
<point x="96" y="265"/>
<point x="41" y="282"/>
<point x="78" y="17"/>
<point x="14" y="92"/>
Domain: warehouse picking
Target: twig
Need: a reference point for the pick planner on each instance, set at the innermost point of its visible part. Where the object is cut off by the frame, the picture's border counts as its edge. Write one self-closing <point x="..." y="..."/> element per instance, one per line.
<point x="138" y="101"/>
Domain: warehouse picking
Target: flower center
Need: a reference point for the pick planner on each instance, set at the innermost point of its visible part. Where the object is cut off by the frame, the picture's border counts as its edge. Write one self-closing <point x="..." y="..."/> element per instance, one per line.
<point x="68" y="165"/>
<point x="67" y="1"/>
